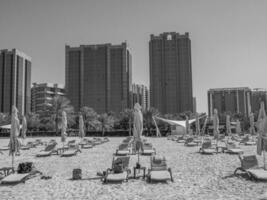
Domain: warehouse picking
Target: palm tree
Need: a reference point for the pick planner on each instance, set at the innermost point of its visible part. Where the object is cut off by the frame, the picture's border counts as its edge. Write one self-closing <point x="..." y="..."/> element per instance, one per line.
<point x="106" y="122"/>
<point x="90" y="117"/>
<point x="5" y="118"/>
<point x="127" y="116"/>
<point x="148" y="120"/>
<point x="33" y="120"/>
<point x="59" y="104"/>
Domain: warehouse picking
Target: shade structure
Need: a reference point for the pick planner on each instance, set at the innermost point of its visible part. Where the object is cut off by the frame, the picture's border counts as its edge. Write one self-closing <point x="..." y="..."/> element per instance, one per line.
<point x="24" y="127"/>
<point x="64" y="127"/>
<point x="138" y="122"/>
<point x="81" y="127"/>
<point x="14" y="144"/>
<point x="251" y="124"/>
<point x="215" y="123"/>
<point x="228" y="125"/>
<point x="197" y="125"/>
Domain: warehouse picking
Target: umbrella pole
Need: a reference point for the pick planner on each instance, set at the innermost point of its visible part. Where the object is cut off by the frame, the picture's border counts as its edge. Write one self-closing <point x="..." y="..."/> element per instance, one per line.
<point x="12" y="161"/>
<point x="264" y="160"/>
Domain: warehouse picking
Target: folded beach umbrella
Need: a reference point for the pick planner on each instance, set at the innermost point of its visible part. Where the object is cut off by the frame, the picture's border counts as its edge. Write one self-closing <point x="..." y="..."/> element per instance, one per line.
<point x="251" y="124"/>
<point x="64" y="127"/>
<point x="197" y="125"/>
<point x="14" y="144"/>
<point x="228" y="125"/>
<point x="187" y="126"/>
<point x="24" y="128"/>
<point x="137" y="126"/>
<point x="81" y="127"/>
<point x="216" y="124"/>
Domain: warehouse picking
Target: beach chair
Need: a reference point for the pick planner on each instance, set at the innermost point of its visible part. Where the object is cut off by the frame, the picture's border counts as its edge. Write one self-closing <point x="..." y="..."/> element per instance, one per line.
<point x="189" y="142"/>
<point x="86" y="144"/>
<point x="24" y="172"/>
<point x="119" y="170"/>
<point x="246" y="141"/>
<point x="250" y="166"/>
<point x="159" y="172"/>
<point x="123" y="150"/>
<point x="232" y="149"/>
<point x="148" y="149"/>
<point x="48" y="151"/>
<point x="180" y="139"/>
<point x="206" y="148"/>
<point x="71" y="151"/>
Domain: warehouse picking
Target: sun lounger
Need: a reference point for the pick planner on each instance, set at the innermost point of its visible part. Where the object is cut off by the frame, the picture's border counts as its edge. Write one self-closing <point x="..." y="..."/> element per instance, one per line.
<point x="232" y="149"/>
<point x="159" y="172"/>
<point x="6" y="148"/>
<point x="189" y="142"/>
<point x="206" y="148"/>
<point x="70" y="152"/>
<point x="123" y="150"/>
<point x="19" y="176"/>
<point x="119" y="170"/>
<point x="180" y="139"/>
<point x="249" y="165"/>
<point x="48" y="151"/>
<point x="148" y="149"/>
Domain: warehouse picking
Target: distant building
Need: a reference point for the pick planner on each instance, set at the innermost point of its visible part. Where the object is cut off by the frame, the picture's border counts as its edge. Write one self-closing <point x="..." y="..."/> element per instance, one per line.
<point x="99" y="76"/>
<point x="194" y="104"/>
<point x="42" y="95"/>
<point x="257" y="96"/>
<point x="231" y="100"/>
<point x="140" y="95"/>
<point x="15" y="81"/>
<point x="170" y="73"/>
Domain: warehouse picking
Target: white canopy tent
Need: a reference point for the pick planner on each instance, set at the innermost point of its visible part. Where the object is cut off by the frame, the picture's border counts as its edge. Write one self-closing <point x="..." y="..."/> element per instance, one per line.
<point x="8" y="126"/>
<point x="180" y="125"/>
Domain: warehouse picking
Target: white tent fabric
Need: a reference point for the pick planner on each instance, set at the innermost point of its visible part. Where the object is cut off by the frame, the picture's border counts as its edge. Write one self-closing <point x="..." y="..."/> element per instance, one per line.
<point x="8" y="126"/>
<point x="176" y="122"/>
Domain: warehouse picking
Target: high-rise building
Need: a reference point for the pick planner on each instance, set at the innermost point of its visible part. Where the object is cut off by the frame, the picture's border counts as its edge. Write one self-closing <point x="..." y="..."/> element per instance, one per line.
<point x="170" y="73"/>
<point x="140" y="95"/>
<point x="230" y="100"/>
<point x="258" y="95"/>
<point x="15" y="81"/>
<point x="42" y="95"/>
<point x="99" y="76"/>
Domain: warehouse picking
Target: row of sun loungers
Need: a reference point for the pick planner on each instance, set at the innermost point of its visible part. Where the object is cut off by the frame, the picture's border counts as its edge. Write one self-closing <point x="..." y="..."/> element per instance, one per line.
<point x="120" y="171"/>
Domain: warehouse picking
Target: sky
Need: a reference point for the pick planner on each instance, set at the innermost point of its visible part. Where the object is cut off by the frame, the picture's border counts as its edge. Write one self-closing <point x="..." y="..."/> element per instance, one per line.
<point x="228" y="37"/>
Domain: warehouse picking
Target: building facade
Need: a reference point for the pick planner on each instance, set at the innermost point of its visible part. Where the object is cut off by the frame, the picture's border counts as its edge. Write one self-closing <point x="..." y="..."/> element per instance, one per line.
<point x="99" y="76"/>
<point x="170" y="72"/>
<point x="258" y="95"/>
<point x="230" y="100"/>
<point x="15" y="81"/>
<point x="42" y="95"/>
<point x="140" y="95"/>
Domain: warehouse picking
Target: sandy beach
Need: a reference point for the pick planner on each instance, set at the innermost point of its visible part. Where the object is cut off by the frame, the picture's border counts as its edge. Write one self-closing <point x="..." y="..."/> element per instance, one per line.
<point x="196" y="176"/>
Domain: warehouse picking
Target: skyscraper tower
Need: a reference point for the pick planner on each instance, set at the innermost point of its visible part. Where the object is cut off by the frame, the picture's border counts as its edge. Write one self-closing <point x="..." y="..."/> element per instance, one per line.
<point x="99" y="76"/>
<point x="170" y="72"/>
<point x="15" y="81"/>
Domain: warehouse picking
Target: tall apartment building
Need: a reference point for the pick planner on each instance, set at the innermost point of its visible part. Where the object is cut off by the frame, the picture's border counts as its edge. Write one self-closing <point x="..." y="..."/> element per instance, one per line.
<point x="170" y="72"/>
<point x="42" y="95"/>
<point x="140" y="95"/>
<point x="99" y="76"/>
<point x="258" y="95"/>
<point x="233" y="100"/>
<point x="15" y="81"/>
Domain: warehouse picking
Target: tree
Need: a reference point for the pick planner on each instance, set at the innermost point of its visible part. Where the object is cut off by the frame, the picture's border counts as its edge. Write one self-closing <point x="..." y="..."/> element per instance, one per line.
<point x="148" y="120"/>
<point x="127" y="118"/>
<point x="59" y="104"/>
<point x="106" y="122"/>
<point x="90" y="118"/>
<point x="33" y="120"/>
<point x="5" y="118"/>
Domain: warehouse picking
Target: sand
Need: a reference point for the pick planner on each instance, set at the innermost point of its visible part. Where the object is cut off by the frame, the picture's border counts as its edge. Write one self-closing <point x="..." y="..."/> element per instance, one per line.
<point x="196" y="176"/>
